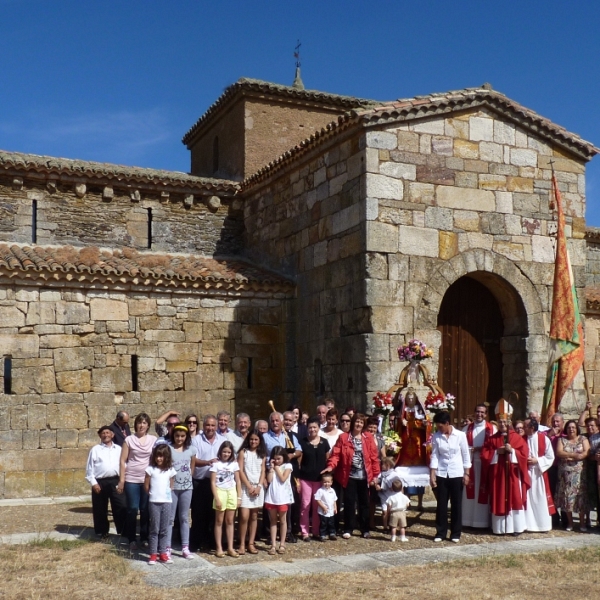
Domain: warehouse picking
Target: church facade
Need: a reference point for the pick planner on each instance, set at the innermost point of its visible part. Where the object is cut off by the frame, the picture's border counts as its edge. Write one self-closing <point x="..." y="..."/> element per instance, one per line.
<point x="314" y="234"/>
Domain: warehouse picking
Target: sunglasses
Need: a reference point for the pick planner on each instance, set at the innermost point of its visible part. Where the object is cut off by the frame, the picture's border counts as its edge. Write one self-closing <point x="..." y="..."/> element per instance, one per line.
<point x="191" y="422"/>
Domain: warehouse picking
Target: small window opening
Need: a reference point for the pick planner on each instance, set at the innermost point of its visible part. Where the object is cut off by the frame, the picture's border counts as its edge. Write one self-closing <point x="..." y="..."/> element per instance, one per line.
<point x="134" y="372"/>
<point x="216" y="154"/>
<point x="149" y="228"/>
<point x="8" y="374"/>
<point x="250" y="374"/>
<point x="34" y="222"/>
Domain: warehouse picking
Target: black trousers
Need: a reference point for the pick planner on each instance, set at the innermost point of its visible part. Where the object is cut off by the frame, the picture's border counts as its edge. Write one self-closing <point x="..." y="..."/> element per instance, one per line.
<point x="203" y="516"/>
<point x="448" y="488"/>
<point x="356" y="493"/>
<point x="118" y="506"/>
<point x="326" y="526"/>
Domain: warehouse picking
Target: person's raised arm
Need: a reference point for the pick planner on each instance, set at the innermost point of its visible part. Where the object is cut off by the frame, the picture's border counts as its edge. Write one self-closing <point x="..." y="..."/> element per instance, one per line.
<point x="585" y="413"/>
<point x="283" y="474"/>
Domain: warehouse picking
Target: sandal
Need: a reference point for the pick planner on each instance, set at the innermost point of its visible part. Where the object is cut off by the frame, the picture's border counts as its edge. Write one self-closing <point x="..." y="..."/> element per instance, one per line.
<point x="281" y="549"/>
<point x="272" y="551"/>
<point x="252" y="549"/>
<point x="233" y="554"/>
<point x="220" y="554"/>
<point x="241" y="551"/>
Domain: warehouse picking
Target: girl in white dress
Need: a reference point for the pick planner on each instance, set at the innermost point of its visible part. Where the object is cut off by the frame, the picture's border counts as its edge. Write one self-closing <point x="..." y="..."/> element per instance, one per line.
<point x="251" y="458"/>
<point x="279" y="496"/>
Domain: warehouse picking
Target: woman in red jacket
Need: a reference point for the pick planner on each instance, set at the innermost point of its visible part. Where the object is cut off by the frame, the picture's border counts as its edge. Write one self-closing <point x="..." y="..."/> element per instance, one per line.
<point x="354" y="461"/>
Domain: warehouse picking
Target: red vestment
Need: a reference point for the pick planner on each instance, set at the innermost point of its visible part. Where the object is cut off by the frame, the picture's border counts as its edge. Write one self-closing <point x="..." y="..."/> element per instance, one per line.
<point x="489" y="431"/>
<point x="542" y="441"/>
<point x="493" y="476"/>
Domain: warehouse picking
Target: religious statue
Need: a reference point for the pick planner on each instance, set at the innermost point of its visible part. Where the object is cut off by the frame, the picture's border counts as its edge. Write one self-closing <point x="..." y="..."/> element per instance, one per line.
<point x="412" y="426"/>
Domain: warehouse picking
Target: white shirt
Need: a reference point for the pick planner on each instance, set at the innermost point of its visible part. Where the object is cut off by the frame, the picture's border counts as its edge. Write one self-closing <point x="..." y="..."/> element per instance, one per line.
<point x="279" y="492"/>
<point x="450" y="455"/>
<point x="398" y="501"/>
<point x="160" y="484"/>
<point x="206" y="450"/>
<point x="328" y="497"/>
<point x="103" y="461"/>
<point x="225" y="479"/>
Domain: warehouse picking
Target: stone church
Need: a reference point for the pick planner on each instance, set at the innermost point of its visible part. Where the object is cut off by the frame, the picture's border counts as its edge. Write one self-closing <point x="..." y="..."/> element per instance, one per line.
<point x="314" y="234"/>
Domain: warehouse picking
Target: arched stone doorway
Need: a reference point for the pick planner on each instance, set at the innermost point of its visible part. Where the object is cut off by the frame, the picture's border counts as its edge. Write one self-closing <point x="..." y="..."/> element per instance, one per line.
<point x="522" y="340"/>
<point x="483" y="327"/>
<point x="470" y="360"/>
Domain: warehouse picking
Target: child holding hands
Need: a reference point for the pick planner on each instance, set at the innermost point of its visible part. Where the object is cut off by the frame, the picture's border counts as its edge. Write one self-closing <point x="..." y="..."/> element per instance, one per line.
<point x="326" y="499"/>
<point x="227" y="494"/>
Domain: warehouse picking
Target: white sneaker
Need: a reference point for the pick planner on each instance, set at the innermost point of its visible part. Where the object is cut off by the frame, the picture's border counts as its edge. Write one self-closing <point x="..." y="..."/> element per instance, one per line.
<point x="437" y="539"/>
<point x="455" y="540"/>
<point x="346" y="536"/>
<point x="404" y="539"/>
<point x="393" y="538"/>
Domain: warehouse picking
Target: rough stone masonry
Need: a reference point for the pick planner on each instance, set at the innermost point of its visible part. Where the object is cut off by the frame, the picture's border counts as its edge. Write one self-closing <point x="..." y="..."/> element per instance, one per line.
<point x="264" y="275"/>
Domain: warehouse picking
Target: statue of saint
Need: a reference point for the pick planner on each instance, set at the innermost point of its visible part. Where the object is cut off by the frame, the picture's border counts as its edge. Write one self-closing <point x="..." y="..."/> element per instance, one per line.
<point x="414" y="429"/>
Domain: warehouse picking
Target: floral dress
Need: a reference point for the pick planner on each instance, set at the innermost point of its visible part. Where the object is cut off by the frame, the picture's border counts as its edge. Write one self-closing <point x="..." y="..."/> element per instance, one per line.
<point x="571" y="494"/>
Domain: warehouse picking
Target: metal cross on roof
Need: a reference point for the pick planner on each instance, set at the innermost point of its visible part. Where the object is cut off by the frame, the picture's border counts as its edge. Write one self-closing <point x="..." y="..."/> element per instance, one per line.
<point x="297" y="53"/>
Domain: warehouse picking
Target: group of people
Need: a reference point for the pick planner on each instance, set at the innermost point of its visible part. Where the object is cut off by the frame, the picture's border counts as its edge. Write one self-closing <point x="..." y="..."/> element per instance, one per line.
<point x="324" y="476"/>
<point x="523" y="476"/>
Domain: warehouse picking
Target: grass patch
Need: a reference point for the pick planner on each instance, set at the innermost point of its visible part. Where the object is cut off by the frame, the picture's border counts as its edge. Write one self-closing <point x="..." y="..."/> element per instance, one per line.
<point x="88" y="571"/>
<point x="51" y="544"/>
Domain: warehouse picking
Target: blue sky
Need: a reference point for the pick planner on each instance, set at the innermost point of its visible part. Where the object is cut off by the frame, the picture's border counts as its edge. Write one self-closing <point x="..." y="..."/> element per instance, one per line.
<point x="122" y="81"/>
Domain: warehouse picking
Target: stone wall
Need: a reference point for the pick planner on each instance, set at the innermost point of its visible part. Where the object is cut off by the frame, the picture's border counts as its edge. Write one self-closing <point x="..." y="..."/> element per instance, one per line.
<point x="377" y="226"/>
<point x="253" y="132"/>
<point x="87" y="214"/>
<point x="230" y="131"/>
<point x="71" y="353"/>
<point x="307" y="223"/>
<point x="468" y="194"/>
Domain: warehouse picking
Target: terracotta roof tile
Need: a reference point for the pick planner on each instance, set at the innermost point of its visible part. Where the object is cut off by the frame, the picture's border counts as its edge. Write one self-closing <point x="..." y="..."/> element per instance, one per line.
<point x="419" y="107"/>
<point x="265" y="87"/>
<point x="52" y="262"/>
<point x="91" y="169"/>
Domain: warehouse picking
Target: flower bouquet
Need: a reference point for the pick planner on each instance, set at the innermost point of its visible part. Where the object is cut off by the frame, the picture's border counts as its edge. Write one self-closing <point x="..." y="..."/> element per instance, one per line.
<point x="438" y="402"/>
<point x="414" y="350"/>
<point x="393" y="443"/>
<point x="382" y="404"/>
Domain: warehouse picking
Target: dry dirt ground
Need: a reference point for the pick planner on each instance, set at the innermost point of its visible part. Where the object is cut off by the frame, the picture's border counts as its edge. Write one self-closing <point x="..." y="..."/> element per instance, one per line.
<point x="74" y="517"/>
<point x="85" y="570"/>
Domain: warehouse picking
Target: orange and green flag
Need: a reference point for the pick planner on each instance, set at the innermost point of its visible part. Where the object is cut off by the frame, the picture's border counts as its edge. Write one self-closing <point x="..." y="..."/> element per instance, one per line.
<point x="566" y="329"/>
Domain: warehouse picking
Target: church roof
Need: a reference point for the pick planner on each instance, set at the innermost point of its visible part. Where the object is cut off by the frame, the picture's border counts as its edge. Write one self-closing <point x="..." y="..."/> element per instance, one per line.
<point x="266" y="88"/>
<point x="431" y="105"/>
<point x="128" y="266"/>
<point x="103" y="171"/>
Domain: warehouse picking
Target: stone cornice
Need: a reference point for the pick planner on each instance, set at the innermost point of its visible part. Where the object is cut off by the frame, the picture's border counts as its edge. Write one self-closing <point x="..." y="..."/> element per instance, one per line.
<point x="62" y="169"/>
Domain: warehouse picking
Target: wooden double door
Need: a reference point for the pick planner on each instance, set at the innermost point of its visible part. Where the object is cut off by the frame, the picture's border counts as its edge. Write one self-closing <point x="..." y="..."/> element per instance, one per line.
<point x="470" y="366"/>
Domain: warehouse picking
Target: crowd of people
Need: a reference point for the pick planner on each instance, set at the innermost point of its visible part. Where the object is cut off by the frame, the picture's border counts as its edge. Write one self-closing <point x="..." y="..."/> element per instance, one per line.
<point x="296" y="478"/>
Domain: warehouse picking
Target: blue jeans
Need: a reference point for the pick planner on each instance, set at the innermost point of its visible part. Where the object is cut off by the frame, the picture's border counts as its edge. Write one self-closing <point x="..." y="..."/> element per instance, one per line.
<point x="137" y="500"/>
